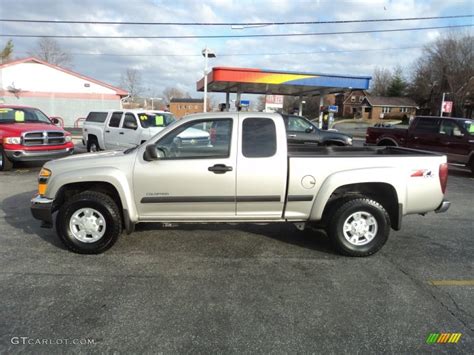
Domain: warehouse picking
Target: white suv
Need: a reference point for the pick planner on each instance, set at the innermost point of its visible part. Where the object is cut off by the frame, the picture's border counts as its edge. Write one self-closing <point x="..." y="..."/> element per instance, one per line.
<point x="122" y="129"/>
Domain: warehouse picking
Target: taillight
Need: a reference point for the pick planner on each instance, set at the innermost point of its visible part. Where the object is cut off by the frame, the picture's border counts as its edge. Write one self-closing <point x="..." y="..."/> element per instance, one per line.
<point x="443" y="176"/>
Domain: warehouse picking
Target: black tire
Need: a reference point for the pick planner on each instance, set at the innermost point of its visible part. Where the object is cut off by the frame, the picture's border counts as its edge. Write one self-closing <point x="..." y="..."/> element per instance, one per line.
<point x="5" y="163"/>
<point x="347" y="209"/>
<point x="93" y="145"/>
<point x="92" y="200"/>
<point x="471" y="166"/>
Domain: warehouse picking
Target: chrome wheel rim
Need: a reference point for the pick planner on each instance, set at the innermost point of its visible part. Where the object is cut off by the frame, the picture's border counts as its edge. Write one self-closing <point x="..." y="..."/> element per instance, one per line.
<point x="93" y="147"/>
<point x="360" y="228"/>
<point x="87" y="225"/>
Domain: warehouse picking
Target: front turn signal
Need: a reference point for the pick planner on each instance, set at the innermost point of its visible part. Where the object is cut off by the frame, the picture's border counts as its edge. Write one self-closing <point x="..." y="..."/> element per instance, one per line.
<point x="43" y="180"/>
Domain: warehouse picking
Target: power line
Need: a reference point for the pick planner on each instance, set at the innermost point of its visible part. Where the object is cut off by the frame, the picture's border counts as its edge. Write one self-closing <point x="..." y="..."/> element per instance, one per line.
<point x="241" y="54"/>
<point x="233" y="36"/>
<point x="273" y="23"/>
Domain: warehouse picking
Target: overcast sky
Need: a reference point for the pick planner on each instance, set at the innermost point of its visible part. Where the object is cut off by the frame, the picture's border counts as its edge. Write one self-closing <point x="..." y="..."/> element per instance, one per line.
<point x="163" y="70"/>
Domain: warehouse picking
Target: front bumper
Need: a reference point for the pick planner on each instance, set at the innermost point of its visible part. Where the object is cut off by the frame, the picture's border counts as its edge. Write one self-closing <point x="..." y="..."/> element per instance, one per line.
<point x="42" y="209"/>
<point x="34" y="155"/>
<point x="443" y="207"/>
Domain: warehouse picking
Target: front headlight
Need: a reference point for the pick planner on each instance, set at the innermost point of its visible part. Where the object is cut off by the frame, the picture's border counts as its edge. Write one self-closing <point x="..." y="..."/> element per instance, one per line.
<point x="68" y="139"/>
<point x="349" y="141"/>
<point x="43" y="180"/>
<point x="12" y="140"/>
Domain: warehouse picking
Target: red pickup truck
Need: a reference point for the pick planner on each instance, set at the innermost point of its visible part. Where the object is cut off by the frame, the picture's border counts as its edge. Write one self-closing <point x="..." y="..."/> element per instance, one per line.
<point x="27" y="134"/>
<point x="451" y="136"/>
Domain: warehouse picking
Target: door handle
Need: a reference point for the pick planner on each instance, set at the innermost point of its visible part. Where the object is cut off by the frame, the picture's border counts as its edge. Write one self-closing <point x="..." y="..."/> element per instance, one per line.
<point x="220" y="168"/>
<point x="292" y="135"/>
<point x="107" y="131"/>
<point x="121" y="133"/>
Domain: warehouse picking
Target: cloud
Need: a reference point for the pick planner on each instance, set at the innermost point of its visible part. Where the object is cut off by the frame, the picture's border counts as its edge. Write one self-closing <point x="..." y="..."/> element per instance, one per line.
<point x="160" y="71"/>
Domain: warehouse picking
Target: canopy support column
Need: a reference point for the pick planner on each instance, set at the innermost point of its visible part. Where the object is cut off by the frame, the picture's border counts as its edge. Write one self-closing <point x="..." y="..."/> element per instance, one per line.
<point x="300" y="108"/>
<point x="227" y="101"/>
<point x="321" y="103"/>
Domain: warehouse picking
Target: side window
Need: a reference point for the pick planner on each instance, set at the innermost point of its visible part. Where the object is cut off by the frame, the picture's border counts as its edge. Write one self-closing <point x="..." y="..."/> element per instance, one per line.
<point x="197" y="140"/>
<point x="258" y="137"/>
<point x="450" y="128"/>
<point x="427" y="125"/>
<point x="298" y="124"/>
<point x="129" y="122"/>
<point x="115" y="119"/>
<point x="96" y="117"/>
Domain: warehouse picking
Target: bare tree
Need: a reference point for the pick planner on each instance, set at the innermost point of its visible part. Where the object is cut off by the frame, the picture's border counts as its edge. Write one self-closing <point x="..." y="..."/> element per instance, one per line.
<point x="50" y="51"/>
<point x="174" y="93"/>
<point x="445" y="67"/>
<point x="381" y="80"/>
<point x="131" y="81"/>
<point x="6" y="52"/>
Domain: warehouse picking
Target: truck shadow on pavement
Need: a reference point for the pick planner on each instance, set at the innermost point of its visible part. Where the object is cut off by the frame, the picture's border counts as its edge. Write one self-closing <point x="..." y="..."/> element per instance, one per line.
<point x="17" y="214"/>
<point x="250" y="233"/>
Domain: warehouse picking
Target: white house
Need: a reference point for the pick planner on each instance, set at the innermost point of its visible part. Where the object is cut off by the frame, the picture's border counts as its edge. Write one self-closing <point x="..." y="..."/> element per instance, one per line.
<point x="55" y="90"/>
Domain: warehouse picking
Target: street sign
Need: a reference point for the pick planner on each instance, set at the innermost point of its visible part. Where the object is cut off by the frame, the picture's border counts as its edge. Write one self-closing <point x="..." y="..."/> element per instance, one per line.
<point x="244" y="102"/>
<point x="447" y="106"/>
<point x="333" y="108"/>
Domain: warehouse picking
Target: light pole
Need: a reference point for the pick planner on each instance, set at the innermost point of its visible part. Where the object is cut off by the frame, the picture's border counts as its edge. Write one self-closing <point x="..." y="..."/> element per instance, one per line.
<point x="152" y="99"/>
<point x="206" y="54"/>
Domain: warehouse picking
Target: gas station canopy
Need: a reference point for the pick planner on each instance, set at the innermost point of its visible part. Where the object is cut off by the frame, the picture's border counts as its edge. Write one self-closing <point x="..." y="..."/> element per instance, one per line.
<point x="272" y="82"/>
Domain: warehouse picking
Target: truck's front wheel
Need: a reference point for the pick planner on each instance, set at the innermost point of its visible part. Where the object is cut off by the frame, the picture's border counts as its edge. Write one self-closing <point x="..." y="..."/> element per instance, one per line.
<point x="5" y="163"/>
<point x="89" y="223"/>
<point x="359" y="227"/>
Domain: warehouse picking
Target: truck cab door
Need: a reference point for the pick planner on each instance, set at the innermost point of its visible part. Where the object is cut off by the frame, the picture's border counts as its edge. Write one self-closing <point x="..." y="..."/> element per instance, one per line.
<point x="424" y="134"/>
<point x="111" y="131"/>
<point x="261" y="167"/>
<point x="454" y="141"/>
<point x="129" y="135"/>
<point x="193" y="178"/>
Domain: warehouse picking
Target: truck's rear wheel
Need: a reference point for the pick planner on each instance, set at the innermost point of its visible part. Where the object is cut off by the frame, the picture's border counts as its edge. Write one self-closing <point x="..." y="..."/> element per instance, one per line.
<point x="93" y="145"/>
<point x="89" y="223"/>
<point x="359" y="227"/>
<point x="5" y="163"/>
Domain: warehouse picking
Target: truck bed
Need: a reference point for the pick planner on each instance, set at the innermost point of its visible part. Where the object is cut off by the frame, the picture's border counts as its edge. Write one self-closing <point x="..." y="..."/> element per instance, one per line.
<point x="318" y="151"/>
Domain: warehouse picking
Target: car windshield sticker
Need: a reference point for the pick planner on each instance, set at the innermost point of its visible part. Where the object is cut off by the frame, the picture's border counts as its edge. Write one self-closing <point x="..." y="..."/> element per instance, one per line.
<point x="143" y="117"/>
<point x="5" y="110"/>
<point x="19" y="116"/>
<point x="159" y="121"/>
<point x="471" y="127"/>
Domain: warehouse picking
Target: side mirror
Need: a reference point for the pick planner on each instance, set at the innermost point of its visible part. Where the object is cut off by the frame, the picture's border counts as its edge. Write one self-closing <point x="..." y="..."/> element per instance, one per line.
<point x="54" y="120"/>
<point x="130" y="125"/>
<point x="309" y="130"/>
<point x="150" y="153"/>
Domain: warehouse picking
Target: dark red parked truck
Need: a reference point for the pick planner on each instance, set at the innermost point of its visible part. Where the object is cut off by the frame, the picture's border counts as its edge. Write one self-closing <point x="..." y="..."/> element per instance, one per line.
<point x="451" y="136"/>
<point x="27" y="134"/>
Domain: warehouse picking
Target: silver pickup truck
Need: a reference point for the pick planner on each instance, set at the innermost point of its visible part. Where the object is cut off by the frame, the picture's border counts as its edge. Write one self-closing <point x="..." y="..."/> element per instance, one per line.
<point x="246" y="173"/>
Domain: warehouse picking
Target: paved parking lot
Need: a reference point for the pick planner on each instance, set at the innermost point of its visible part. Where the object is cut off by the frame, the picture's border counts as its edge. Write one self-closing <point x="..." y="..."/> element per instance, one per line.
<point x="235" y="289"/>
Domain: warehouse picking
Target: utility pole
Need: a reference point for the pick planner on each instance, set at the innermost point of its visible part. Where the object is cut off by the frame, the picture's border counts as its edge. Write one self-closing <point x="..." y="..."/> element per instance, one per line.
<point x="207" y="54"/>
<point x="442" y="104"/>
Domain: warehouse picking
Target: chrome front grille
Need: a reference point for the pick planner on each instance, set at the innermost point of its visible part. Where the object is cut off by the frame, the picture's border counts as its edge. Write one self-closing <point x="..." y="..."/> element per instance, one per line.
<point x="43" y="138"/>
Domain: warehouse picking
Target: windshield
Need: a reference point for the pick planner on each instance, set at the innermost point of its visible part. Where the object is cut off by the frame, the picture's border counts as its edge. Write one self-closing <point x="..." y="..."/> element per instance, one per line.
<point x="469" y="125"/>
<point x="22" y="115"/>
<point x="161" y="119"/>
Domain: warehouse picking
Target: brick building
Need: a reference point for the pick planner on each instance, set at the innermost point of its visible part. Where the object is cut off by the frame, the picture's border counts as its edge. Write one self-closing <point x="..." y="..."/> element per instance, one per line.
<point x="360" y="104"/>
<point x="182" y="107"/>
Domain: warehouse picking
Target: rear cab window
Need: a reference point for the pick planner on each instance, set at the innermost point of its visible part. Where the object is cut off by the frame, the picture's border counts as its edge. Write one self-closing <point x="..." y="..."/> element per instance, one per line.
<point x="115" y="119"/>
<point x="427" y="125"/>
<point x="258" y="137"/>
<point x="99" y="117"/>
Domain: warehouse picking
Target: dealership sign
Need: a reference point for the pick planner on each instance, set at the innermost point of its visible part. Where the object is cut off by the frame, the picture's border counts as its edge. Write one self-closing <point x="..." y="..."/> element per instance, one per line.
<point x="447" y="106"/>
